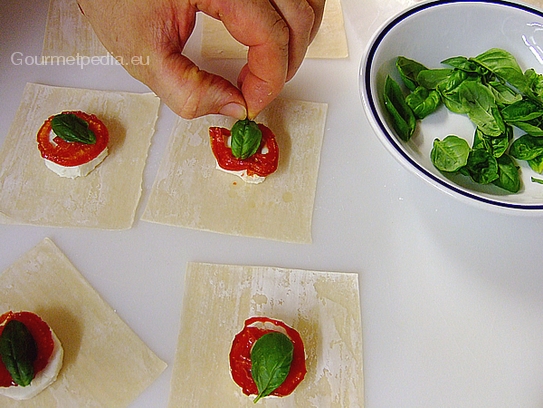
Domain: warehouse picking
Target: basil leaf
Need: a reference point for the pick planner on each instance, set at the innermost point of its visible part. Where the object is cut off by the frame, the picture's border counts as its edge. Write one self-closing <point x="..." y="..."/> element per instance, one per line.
<point x="504" y="65"/>
<point x="526" y="147"/>
<point x="423" y="101"/>
<point x="482" y="166"/>
<point x="271" y="357"/>
<point x="495" y="145"/>
<point x="18" y="351"/>
<point x="508" y="174"/>
<point x="409" y="71"/>
<point x="465" y="64"/>
<point x="536" y="164"/>
<point x="450" y="154"/>
<point x="403" y="118"/>
<point x="430" y="78"/>
<point x="480" y="105"/>
<point x="72" y="128"/>
<point x="246" y="138"/>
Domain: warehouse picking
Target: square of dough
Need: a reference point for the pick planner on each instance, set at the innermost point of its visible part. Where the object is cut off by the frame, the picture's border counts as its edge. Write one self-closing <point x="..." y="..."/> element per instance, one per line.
<point x="105" y="363"/>
<point x="107" y="198"/>
<point x="190" y="192"/>
<point x="330" y="41"/>
<point x="68" y="32"/>
<point x="324" y="307"/>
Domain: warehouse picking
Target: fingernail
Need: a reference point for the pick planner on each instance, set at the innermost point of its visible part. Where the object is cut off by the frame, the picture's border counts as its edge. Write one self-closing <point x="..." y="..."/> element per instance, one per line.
<point x="235" y="110"/>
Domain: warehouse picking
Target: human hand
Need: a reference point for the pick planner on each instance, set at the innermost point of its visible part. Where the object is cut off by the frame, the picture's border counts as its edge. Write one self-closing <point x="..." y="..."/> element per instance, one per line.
<point x="277" y="33"/>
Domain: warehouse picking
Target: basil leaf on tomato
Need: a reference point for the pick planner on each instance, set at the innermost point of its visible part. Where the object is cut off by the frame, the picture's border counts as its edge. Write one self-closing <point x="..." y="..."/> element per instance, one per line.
<point x="18" y="351"/>
<point x="271" y="357"/>
<point x="246" y="138"/>
<point x="71" y="128"/>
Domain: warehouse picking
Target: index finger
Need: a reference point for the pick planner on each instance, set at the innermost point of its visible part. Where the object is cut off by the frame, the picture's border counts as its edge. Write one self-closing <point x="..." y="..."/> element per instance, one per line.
<point x="256" y="24"/>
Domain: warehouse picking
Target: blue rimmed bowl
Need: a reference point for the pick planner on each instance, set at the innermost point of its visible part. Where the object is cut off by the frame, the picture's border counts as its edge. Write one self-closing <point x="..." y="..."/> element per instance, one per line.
<point x="429" y="33"/>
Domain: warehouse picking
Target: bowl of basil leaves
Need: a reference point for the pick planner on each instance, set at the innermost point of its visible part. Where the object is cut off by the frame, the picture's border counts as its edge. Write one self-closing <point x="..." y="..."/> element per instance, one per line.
<point x="454" y="90"/>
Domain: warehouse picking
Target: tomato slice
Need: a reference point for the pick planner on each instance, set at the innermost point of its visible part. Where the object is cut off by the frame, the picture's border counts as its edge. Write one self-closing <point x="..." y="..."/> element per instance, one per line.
<point x="71" y="154"/>
<point x="263" y="163"/>
<point x="240" y="357"/>
<point x="42" y="336"/>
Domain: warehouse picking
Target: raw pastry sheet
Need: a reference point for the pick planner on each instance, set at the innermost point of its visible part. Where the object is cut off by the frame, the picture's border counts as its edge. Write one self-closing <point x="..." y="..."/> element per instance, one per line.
<point x="105" y="363"/>
<point x="68" y="32"/>
<point x="330" y="41"/>
<point x="108" y="197"/>
<point x="190" y="192"/>
<point x="323" y="306"/>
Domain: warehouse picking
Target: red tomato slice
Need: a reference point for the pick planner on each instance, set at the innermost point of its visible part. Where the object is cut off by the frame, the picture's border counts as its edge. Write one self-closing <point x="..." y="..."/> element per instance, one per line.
<point x="240" y="357"/>
<point x="42" y="336"/>
<point x="71" y="154"/>
<point x="261" y="164"/>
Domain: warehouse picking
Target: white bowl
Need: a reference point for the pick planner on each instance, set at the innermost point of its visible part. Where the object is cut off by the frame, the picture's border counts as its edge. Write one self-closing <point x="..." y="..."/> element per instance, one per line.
<point x="430" y="32"/>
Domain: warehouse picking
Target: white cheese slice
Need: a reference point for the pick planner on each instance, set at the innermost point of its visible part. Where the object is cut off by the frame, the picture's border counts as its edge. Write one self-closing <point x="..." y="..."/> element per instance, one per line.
<point x="76" y="171"/>
<point x="252" y="179"/>
<point x="43" y="379"/>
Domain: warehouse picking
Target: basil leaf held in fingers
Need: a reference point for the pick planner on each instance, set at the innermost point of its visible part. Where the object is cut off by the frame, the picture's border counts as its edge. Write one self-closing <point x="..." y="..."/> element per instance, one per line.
<point x="271" y="358"/>
<point x="450" y="154"/>
<point x="403" y="118"/>
<point x="18" y="351"/>
<point x="71" y="128"/>
<point x="246" y="138"/>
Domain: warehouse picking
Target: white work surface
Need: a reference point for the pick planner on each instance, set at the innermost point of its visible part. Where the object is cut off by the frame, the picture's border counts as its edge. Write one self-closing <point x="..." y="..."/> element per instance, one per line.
<point x="451" y="294"/>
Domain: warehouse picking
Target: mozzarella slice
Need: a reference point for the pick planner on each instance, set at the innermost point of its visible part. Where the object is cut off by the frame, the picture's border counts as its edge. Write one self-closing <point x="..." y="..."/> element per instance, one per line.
<point x="252" y="179"/>
<point x="42" y="380"/>
<point x="76" y="171"/>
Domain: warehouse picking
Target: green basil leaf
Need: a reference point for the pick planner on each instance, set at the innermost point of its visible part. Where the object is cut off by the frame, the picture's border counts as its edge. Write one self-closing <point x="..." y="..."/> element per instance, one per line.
<point x="271" y="357"/>
<point x="409" y="71"/>
<point x="526" y="147"/>
<point x="480" y="105"/>
<point x="495" y="145"/>
<point x="404" y="121"/>
<point x="503" y="94"/>
<point x="504" y="65"/>
<point x="431" y="78"/>
<point x="522" y="111"/>
<point x="508" y="174"/>
<point x="465" y="64"/>
<point x="246" y="138"/>
<point x="423" y="101"/>
<point x="72" y="128"/>
<point x="18" y="351"/>
<point x="482" y="166"/>
<point x="450" y="154"/>
<point x="536" y="164"/>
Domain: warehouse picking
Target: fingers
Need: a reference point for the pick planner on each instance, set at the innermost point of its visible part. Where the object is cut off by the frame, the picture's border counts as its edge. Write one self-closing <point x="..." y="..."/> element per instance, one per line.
<point x="191" y="92"/>
<point x="277" y="33"/>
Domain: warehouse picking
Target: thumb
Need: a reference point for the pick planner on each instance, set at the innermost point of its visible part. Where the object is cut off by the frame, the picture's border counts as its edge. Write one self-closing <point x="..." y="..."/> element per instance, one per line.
<point x="191" y="92"/>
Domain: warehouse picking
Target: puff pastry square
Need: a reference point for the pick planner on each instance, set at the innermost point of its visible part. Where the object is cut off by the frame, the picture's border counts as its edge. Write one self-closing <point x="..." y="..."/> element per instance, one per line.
<point x="330" y="41"/>
<point x="105" y="363"/>
<point x="323" y="306"/>
<point x="190" y="192"/>
<point x="108" y="197"/>
<point x="68" y="33"/>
